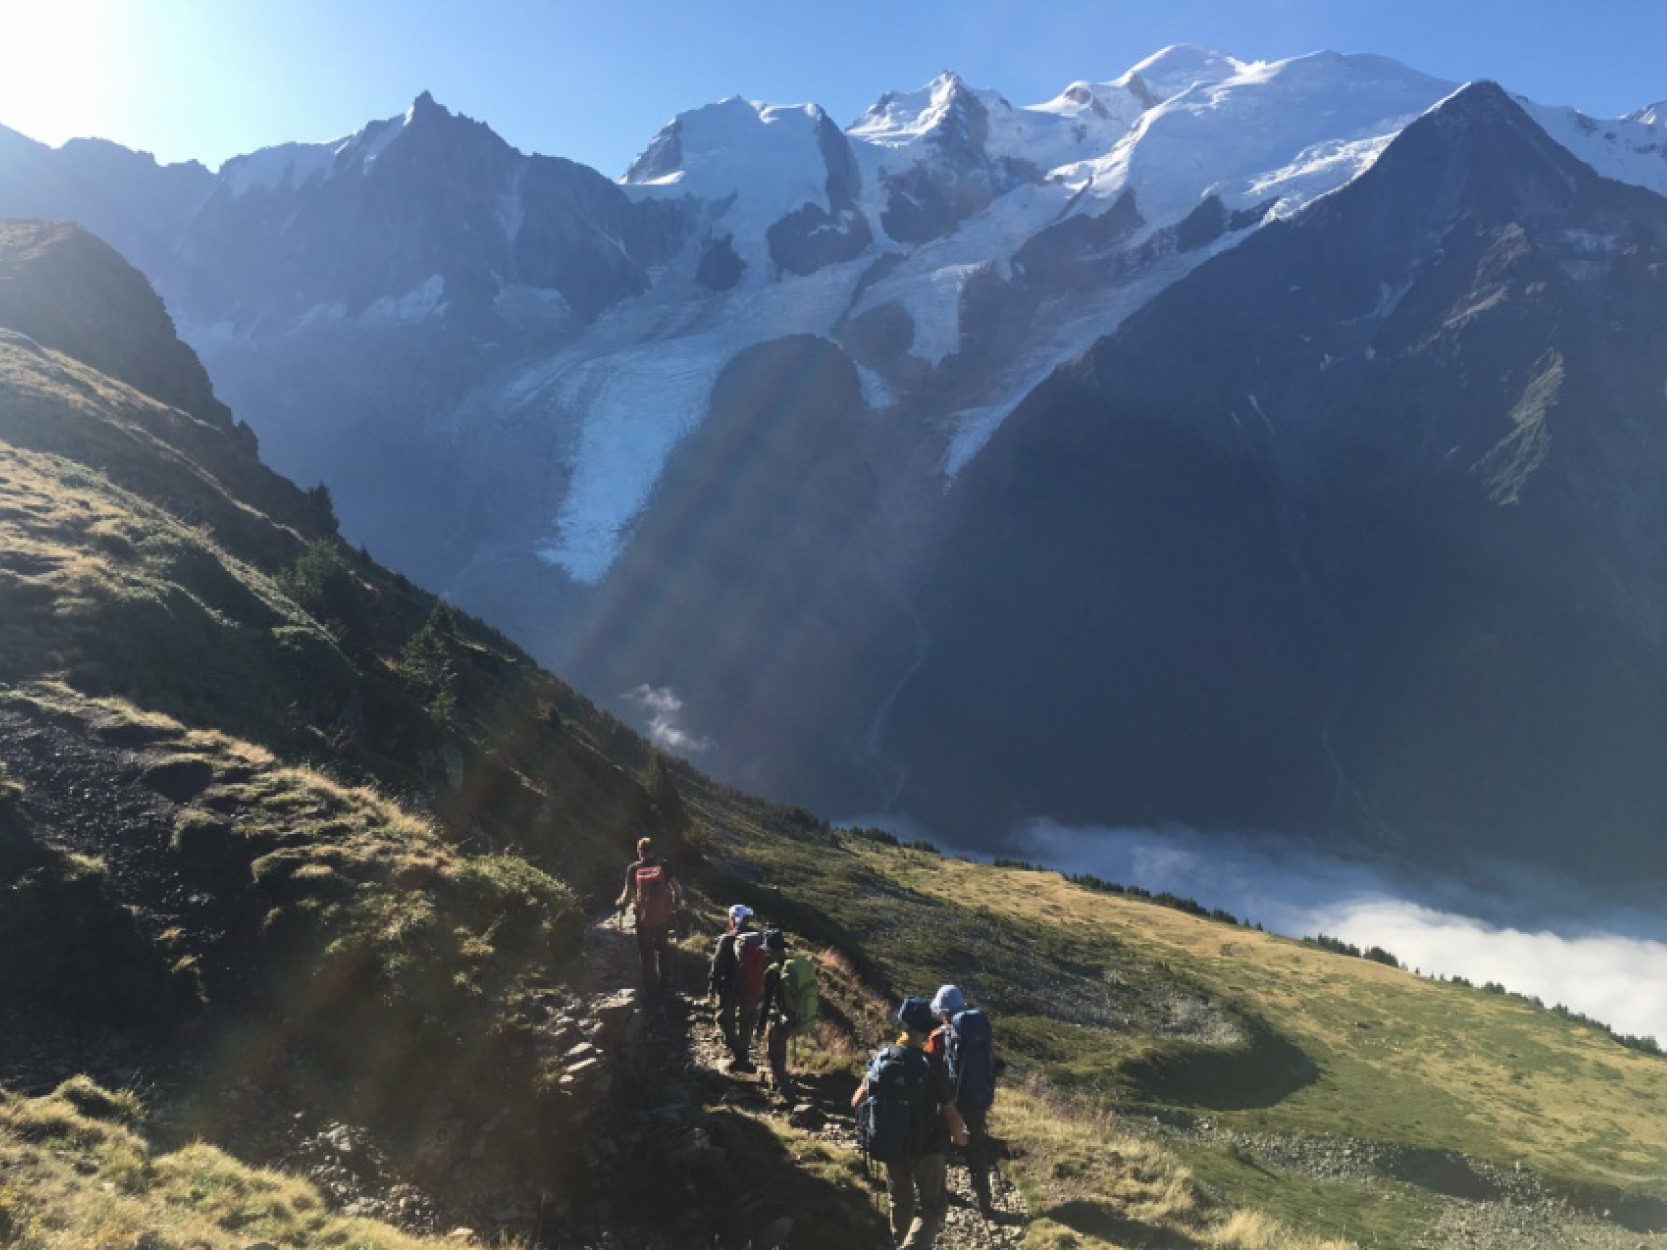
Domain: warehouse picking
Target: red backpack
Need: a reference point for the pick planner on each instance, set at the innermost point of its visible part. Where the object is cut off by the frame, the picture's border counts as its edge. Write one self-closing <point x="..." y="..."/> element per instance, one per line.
<point x="654" y="896"/>
<point x="749" y="948"/>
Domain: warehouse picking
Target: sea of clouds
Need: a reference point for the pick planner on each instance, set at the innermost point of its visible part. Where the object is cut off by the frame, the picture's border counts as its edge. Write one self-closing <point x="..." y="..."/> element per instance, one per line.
<point x="1531" y="932"/>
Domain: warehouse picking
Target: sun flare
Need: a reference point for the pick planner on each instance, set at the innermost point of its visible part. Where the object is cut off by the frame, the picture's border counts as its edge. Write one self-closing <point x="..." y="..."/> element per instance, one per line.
<point x="59" y="78"/>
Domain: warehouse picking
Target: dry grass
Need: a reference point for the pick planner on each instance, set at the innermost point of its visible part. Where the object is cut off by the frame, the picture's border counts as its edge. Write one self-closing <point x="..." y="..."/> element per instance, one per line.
<point x="1250" y="1230"/>
<point x="70" y="1179"/>
<point x="1089" y="1184"/>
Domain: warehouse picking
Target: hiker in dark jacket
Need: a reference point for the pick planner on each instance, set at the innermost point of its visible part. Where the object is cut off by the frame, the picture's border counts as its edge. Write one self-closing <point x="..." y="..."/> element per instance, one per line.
<point x="916" y="1183"/>
<point x="652" y="891"/>
<point x="723" y="978"/>
<point x="973" y="1078"/>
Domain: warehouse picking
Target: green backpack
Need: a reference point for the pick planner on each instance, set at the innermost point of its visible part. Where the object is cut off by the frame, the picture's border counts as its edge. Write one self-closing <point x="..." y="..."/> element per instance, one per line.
<point x="799" y="1000"/>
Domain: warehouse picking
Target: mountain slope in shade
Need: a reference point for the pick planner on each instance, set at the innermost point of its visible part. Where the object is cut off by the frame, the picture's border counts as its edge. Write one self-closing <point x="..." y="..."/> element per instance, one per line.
<point x="71" y="292"/>
<point x="1353" y="528"/>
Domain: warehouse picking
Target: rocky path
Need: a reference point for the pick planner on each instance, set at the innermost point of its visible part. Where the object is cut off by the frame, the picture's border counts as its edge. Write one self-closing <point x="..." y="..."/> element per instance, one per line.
<point x="819" y="1108"/>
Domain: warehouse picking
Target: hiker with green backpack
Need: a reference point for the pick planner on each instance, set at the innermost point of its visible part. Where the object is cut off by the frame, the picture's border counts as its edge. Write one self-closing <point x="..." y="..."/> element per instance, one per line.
<point x="790" y="1004"/>
<point x="906" y="1120"/>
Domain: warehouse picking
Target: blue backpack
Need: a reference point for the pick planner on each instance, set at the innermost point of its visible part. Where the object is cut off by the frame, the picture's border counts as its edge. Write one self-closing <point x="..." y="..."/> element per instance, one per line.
<point x="892" y="1118"/>
<point x="969" y="1054"/>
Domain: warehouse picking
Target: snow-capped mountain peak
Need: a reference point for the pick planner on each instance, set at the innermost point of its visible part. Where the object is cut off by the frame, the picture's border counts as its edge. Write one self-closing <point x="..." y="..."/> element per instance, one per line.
<point x="1167" y="73"/>
<point x="1630" y="149"/>
<point x="713" y="151"/>
<point x="757" y="165"/>
<point x="293" y="165"/>
<point x="282" y="166"/>
<point x="904" y="118"/>
<point x="1266" y="135"/>
<point x="1650" y="115"/>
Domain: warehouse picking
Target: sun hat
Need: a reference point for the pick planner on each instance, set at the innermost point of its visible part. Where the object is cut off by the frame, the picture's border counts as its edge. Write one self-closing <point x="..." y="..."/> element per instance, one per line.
<point x="916" y="1015"/>
<point x="948" y="1000"/>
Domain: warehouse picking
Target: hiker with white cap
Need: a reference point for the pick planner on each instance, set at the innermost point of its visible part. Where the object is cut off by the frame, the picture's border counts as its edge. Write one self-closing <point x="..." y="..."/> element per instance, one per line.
<point x="963" y="1042"/>
<point x="724" y="979"/>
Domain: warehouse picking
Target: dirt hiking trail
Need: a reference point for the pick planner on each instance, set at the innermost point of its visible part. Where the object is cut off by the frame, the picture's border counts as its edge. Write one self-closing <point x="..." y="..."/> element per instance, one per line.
<point x="683" y="1035"/>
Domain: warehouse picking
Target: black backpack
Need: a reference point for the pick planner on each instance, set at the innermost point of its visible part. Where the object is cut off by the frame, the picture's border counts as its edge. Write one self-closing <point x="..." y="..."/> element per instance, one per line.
<point x="892" y="1119"/>
<point x="724" y="964"/>
<point x="970" y="1058"/>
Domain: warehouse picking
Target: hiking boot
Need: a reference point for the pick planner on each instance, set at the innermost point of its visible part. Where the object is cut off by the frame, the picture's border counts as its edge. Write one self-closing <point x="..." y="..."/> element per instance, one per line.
<point x="742" y="1065"/>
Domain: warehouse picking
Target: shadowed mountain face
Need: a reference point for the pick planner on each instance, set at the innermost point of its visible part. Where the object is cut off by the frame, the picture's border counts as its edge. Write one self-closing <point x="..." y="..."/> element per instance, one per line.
<point x="760" y="587"/>
<point x="1355" y="529"/>
<point x="71" y="292"/>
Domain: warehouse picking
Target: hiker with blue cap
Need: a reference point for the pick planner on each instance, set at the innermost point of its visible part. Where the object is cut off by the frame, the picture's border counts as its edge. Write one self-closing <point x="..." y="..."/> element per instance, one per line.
<point x="906" y="1119"/>
<point x="963" y="1044"/>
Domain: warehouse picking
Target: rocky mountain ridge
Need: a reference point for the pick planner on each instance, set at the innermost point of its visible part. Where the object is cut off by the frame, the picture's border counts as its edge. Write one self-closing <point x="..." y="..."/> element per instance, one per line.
<point x="1408" y="489"/>
<point x="703" y="438"/>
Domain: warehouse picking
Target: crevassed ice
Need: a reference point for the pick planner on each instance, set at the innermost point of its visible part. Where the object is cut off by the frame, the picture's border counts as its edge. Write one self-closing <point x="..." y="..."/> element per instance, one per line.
<point x="637" y="405"/>
<point x="637" y="399"/>
<point x="419" y="302"/>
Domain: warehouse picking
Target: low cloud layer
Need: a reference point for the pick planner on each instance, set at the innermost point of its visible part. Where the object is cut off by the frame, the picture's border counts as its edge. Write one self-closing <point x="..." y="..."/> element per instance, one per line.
<point x="664" y="711"/>
<point x="1530" y="933"/>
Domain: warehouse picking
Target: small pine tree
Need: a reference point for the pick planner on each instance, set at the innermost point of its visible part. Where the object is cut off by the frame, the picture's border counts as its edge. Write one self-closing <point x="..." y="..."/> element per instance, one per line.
<point x="426" y="665"/>
<point x="321" y="582"/>
<point x="667" y="799"/>
<point x="324" y="507"/>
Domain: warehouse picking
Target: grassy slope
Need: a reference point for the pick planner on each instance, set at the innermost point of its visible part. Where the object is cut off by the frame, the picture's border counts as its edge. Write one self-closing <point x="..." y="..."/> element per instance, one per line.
<point x="77" y="1170"/>
<point x="1400" y="1058"/>
<point x="341" y="833"/>
<point x="1116" y="1001"/>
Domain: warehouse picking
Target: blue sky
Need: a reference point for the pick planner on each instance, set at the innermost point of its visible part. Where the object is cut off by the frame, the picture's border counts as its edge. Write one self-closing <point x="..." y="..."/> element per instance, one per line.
<point x="208" y="79"/>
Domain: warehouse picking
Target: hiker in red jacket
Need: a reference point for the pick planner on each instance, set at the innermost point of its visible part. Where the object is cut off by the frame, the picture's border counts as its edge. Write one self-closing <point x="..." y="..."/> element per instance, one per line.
<point x="652" y="891"/>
